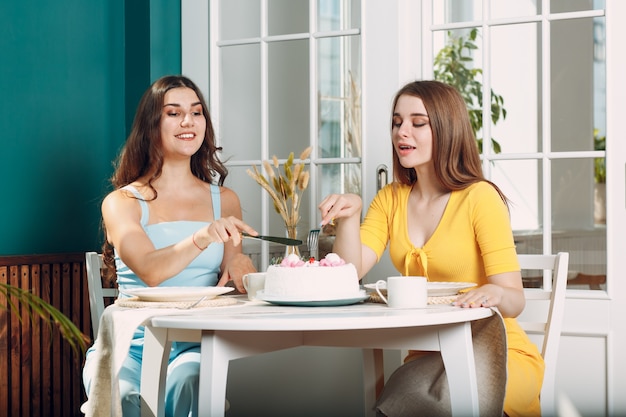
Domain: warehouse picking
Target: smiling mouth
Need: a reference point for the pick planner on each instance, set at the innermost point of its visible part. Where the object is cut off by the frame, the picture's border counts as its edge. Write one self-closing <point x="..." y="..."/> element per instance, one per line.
<point x="186" y="136"/>
<point x="405" y="147"/>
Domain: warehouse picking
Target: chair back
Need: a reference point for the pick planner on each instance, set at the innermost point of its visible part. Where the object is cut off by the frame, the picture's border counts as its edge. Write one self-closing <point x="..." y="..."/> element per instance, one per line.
<point x="97" y="294"/>
<point x="544" y="314"/>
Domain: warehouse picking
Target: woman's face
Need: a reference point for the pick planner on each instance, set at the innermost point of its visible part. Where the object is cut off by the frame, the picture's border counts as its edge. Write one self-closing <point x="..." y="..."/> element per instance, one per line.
<point x="182" y="123"/>
<point x="411" y="133"/>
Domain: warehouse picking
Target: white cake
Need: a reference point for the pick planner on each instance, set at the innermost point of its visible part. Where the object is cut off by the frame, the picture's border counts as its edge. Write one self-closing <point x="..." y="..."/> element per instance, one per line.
<point x="329" y="279"/>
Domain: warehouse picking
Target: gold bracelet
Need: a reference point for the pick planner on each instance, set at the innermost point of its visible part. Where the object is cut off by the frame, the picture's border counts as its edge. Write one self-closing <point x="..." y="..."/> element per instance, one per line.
<point x="193" y="239"/>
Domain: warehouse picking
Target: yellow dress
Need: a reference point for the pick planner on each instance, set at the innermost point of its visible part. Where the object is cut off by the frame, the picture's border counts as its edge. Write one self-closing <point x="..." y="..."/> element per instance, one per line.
<point x="472" y="241"/>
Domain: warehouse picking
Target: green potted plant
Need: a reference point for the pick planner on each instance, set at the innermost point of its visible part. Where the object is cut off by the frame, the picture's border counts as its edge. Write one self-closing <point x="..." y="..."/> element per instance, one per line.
<point x="35" y="307"/>
<point x="451" y="67"/>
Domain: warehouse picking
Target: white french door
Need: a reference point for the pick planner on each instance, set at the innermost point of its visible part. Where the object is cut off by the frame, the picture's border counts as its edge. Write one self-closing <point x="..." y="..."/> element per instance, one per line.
<point x="557" y="63"/>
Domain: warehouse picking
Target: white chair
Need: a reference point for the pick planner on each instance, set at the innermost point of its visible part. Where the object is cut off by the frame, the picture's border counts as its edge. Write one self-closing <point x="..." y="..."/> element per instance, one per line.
<point x="543" y="316"/>
<point x="97" y="294"/>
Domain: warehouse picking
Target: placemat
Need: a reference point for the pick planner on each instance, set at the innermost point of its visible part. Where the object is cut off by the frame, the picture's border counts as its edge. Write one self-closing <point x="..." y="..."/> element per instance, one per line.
<point x="135" y="302"/>
<point x="375" y="298"/>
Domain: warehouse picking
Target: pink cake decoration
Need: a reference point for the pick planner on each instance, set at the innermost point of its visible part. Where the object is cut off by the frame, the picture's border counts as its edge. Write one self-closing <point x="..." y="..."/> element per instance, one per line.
<point x="294" y="261"/>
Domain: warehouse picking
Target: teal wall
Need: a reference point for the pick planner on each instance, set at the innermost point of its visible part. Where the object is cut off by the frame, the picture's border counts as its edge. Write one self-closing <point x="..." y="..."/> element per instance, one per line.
<point x="71" y="74"/>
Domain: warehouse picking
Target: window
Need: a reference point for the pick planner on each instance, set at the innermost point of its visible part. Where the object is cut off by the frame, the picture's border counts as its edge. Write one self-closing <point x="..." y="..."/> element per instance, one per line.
<point x="285" y="76"/>
<point x="553" y="85"/>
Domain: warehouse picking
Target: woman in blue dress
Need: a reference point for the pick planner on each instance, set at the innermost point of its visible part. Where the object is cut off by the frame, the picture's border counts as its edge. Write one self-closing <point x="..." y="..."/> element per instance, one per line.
<point x="170" y="222"/>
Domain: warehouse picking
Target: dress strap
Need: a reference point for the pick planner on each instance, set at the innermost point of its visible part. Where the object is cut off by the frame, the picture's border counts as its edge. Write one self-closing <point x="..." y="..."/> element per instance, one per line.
<point x="217" y="204"/>
<point x="145" y="212"/>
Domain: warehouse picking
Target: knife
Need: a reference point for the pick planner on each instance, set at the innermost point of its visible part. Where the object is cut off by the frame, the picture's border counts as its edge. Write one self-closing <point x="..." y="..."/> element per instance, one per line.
<point x="275" y="239"/>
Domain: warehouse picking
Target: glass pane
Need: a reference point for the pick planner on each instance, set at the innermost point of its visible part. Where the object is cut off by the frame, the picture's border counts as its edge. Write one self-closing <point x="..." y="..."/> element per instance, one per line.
<point x="459" y="62"/>
<point x="572" y="194"/>
<point x="338" y="178"/>
<point x="574" y="228"/>
<point x="287" y="16"/>
<point x="240" y="112"/>
<point x="288" y="91"/>
<point x="599" y="83"/>
<point x="340" y="98"/>
<point x="572" y="77"/>
<point x="338" y="15"/>
<point x="599" y="120"/>
<point x="587" y="257"/>
<point x="515" y="78"/>
<point x="559" y="6"/>
<point x="513" y="8"/>
<point x="237" y="25"/>
<point x="452" y="11"/>
<point x="249" y="193"/>
<point x="520" y="181"/>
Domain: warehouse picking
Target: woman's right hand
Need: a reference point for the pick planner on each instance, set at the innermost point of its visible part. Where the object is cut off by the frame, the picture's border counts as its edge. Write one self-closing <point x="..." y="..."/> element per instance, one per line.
<point x="223" y="230"/>
<point x="338" y="206"/>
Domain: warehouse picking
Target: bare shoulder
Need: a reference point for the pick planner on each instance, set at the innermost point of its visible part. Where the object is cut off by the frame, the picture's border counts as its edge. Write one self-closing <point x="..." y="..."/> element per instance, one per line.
<point x="231" y="205"/>
<point x="120" y="203"/>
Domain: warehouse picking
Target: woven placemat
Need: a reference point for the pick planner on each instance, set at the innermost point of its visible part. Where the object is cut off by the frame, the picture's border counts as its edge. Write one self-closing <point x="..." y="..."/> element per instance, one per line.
<point x="135" y="302"/>
<point x="375" y="298"/>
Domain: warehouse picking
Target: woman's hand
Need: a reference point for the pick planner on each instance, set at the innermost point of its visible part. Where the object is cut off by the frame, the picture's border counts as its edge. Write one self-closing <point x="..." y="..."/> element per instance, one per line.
<point x="235" y="264"/>
<point x="234" y="270"/>
<point x="504" y="291"/>
<point x="338" y="206"/>
<point x="222" y="230"/>
<point x="489" y="295"/>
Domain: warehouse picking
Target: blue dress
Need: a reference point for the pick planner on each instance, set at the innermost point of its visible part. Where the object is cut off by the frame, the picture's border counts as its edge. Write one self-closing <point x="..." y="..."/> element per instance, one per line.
<point x="181" y="396"/>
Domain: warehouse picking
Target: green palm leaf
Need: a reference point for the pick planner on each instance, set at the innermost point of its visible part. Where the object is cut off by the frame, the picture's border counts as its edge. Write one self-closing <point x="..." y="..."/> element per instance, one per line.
<point x="37" y="307"/>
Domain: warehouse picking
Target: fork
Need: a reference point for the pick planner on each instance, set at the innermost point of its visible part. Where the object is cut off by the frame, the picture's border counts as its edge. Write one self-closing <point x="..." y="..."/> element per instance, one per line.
<point x="192" y="305"/>
<point x="312" y="242"/>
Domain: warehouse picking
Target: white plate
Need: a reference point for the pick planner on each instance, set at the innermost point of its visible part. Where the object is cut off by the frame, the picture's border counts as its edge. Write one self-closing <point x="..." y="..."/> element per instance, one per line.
<point x="177" y="293"/>
<point x="435" y="289"/>
<point x="290" y="301"/>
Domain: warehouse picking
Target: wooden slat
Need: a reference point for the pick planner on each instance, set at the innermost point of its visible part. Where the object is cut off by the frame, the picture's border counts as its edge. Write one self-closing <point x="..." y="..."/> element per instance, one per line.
<point x="4" y="344"/>
<point x="66" y="350"/>
<point x="57" y="354"/>
<point x="46" y="344"/>
<point x="76" y="284"/>
<point x="25" y="346"/>
<point x="14" y="355"/>
<point x="35" y="276"/>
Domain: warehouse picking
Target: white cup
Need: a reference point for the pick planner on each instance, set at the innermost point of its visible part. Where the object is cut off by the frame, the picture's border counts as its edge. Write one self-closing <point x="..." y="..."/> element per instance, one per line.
<point x="254" y="282"/>
<point x="404" y="292"/>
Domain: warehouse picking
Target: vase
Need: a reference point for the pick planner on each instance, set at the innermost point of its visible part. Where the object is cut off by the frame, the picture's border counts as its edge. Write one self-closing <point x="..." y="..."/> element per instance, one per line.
<point x="292" y="233"/>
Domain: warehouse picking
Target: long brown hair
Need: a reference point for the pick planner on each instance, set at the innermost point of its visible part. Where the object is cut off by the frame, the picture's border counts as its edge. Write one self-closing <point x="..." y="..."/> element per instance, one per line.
<point x="142" y="154"/>
<point x="455" y="153"/>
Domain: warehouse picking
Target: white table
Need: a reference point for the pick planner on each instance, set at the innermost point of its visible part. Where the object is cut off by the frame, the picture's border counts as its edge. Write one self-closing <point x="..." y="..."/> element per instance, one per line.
<point x="235" y="332"/>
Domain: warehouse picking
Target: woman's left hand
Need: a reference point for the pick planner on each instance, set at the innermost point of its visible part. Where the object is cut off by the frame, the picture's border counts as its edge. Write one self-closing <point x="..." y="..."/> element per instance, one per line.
<point x="235" y="269"/>
<point x="489" y="295"/>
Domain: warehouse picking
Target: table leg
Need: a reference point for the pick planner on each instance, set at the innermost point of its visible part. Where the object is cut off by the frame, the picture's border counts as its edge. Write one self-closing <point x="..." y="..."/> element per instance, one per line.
<point x="156" y="350"/>
<point x="213" y="376"/>
<point x="373" y="379"/>
<point x="457" y="352"/>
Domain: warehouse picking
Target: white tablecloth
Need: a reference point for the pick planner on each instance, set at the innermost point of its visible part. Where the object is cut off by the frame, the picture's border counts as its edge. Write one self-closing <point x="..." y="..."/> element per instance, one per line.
<point x="117" y="326"/>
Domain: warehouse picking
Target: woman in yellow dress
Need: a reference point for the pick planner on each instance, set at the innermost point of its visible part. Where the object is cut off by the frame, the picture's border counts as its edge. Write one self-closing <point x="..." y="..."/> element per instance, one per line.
<point x="442" y="219"/>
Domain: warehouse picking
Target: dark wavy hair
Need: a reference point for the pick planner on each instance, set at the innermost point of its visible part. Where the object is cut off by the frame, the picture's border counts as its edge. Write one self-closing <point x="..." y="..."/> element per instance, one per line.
<point x="142" y="154"/>
<point x="455" y="153"/>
